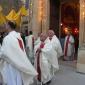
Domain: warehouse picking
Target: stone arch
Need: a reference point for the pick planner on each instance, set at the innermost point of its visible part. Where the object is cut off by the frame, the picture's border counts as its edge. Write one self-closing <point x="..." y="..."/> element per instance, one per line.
<point x="70" y="13"/>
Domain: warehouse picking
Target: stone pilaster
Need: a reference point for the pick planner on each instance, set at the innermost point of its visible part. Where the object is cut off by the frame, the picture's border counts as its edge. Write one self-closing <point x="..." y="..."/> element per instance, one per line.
<point x="35" y="21"/>
<point x="81" y="51"/>
<point x="37" y="25"/>
<point x="45" y="20"/>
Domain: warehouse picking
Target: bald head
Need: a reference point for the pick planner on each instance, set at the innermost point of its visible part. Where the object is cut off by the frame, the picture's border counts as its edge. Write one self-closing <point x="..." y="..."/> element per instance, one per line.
<point x="43" y="37"/>
<point x="69" y="31"/>
<point x="51" y="33"/>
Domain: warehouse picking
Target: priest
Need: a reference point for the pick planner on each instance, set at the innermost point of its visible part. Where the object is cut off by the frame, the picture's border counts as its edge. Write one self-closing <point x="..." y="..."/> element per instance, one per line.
<point x="15" y="67"/>
<point x="45" y="57"/>
<point x="69" y="46"/>
<point x="55" y="42"/>
<point x="30" y="46"/>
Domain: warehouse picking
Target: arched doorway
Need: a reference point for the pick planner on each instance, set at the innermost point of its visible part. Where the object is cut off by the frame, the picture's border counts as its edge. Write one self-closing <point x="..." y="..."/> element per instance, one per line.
<point x="70" y="18"/>
<point x="64" y="13"/>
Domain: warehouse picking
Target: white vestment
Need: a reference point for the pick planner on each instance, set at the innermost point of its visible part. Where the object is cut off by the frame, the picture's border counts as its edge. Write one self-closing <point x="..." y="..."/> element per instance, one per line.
<point x="69" y="47"/>
<point x="15" y="66"/>
<point x="47" y="59"/>
<point x="0" y="45"/>
<point x="27" y="48"/>
<point x="37" y="41"/>
<point x="56" y="45"/>
<point x="26" y="40"/>
<point x="30" y="47"/>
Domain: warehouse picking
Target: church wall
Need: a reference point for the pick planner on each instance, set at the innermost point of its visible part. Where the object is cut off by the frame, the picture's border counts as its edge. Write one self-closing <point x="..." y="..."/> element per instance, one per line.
<point x="81" y="51"/>
<point x="40" y="23"/>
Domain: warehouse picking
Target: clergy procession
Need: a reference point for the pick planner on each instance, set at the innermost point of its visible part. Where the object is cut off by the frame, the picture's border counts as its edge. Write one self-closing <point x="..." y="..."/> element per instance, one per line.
<point x="28" y="58"/>
<point x="21" y="64"/>
<point x="25" y="58"/>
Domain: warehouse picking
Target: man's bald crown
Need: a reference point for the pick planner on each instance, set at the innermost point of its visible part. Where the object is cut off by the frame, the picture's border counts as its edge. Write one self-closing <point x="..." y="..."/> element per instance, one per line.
<point x="51" y="33"/>
<point x="43" y="36"/>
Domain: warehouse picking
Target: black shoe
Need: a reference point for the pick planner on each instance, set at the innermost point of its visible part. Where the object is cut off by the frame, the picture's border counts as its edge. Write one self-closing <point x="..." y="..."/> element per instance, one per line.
<point x="44" y="84"/>
<point x="48" y="82"/>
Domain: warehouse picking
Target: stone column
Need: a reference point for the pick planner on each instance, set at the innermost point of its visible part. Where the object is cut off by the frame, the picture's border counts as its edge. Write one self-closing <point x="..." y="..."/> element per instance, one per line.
<point x="81" y="51"/>
<point x="37" y="25"/>
<point x="35" y="22"/>
<point x="46" y="15"/>
<point x="30" y="17"/>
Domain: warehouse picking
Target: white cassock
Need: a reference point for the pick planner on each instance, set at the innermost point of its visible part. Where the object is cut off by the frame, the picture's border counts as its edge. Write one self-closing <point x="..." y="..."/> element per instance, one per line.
<point x="15" y="67"/>
<point x="37" y="41"/>
<point x="0" y="45"/>
<point x="30" y="47"/>
<point x="27" y="46"/>
<point x="69" y="48"/>
<point x="44" y="60"/>
<point x="56" y="45"/>
<point x="1" y="79"/>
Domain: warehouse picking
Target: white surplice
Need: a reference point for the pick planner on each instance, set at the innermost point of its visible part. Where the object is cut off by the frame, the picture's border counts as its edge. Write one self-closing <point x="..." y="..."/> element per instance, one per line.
<point x="15" y="66"/>
<point x="70" y="48"/>
<point x="56" y="45"/>
<point x="47" y="59"/>
<point x="37" y="41"/>
<point x="30" y="47"/>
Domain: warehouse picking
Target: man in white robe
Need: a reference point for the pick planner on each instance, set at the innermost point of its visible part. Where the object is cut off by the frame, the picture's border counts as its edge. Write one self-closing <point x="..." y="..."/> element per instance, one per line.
<point x="45" y="58"/>
<point x="26" y="40"/>
<point x="30" y="46"/>
<point x="37" y="41"/>
<point x="55" y="43"/>
<point x="15" y="67"/>
<point x="56" y="46"/>
<point x="69" y="48"/>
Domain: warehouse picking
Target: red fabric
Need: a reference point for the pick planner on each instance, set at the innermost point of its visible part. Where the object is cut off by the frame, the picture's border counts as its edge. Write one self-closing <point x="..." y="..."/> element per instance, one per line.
<point x="66" y="46"/>
<point x="38" y="67"/>
<point x="38" y="63"/>
<point x="42" y="45"/>
<point x="20" y="44"/>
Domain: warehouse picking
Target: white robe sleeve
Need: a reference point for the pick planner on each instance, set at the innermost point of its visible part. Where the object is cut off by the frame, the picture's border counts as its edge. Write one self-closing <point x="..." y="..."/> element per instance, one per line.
<point x="26" y="41"/>
<point x="58" y="47"/>
<point x="50" y="54"/>
<point x="0" y="51"/>
<point x="17" y="57"/>
<point x="71" y="39"/>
